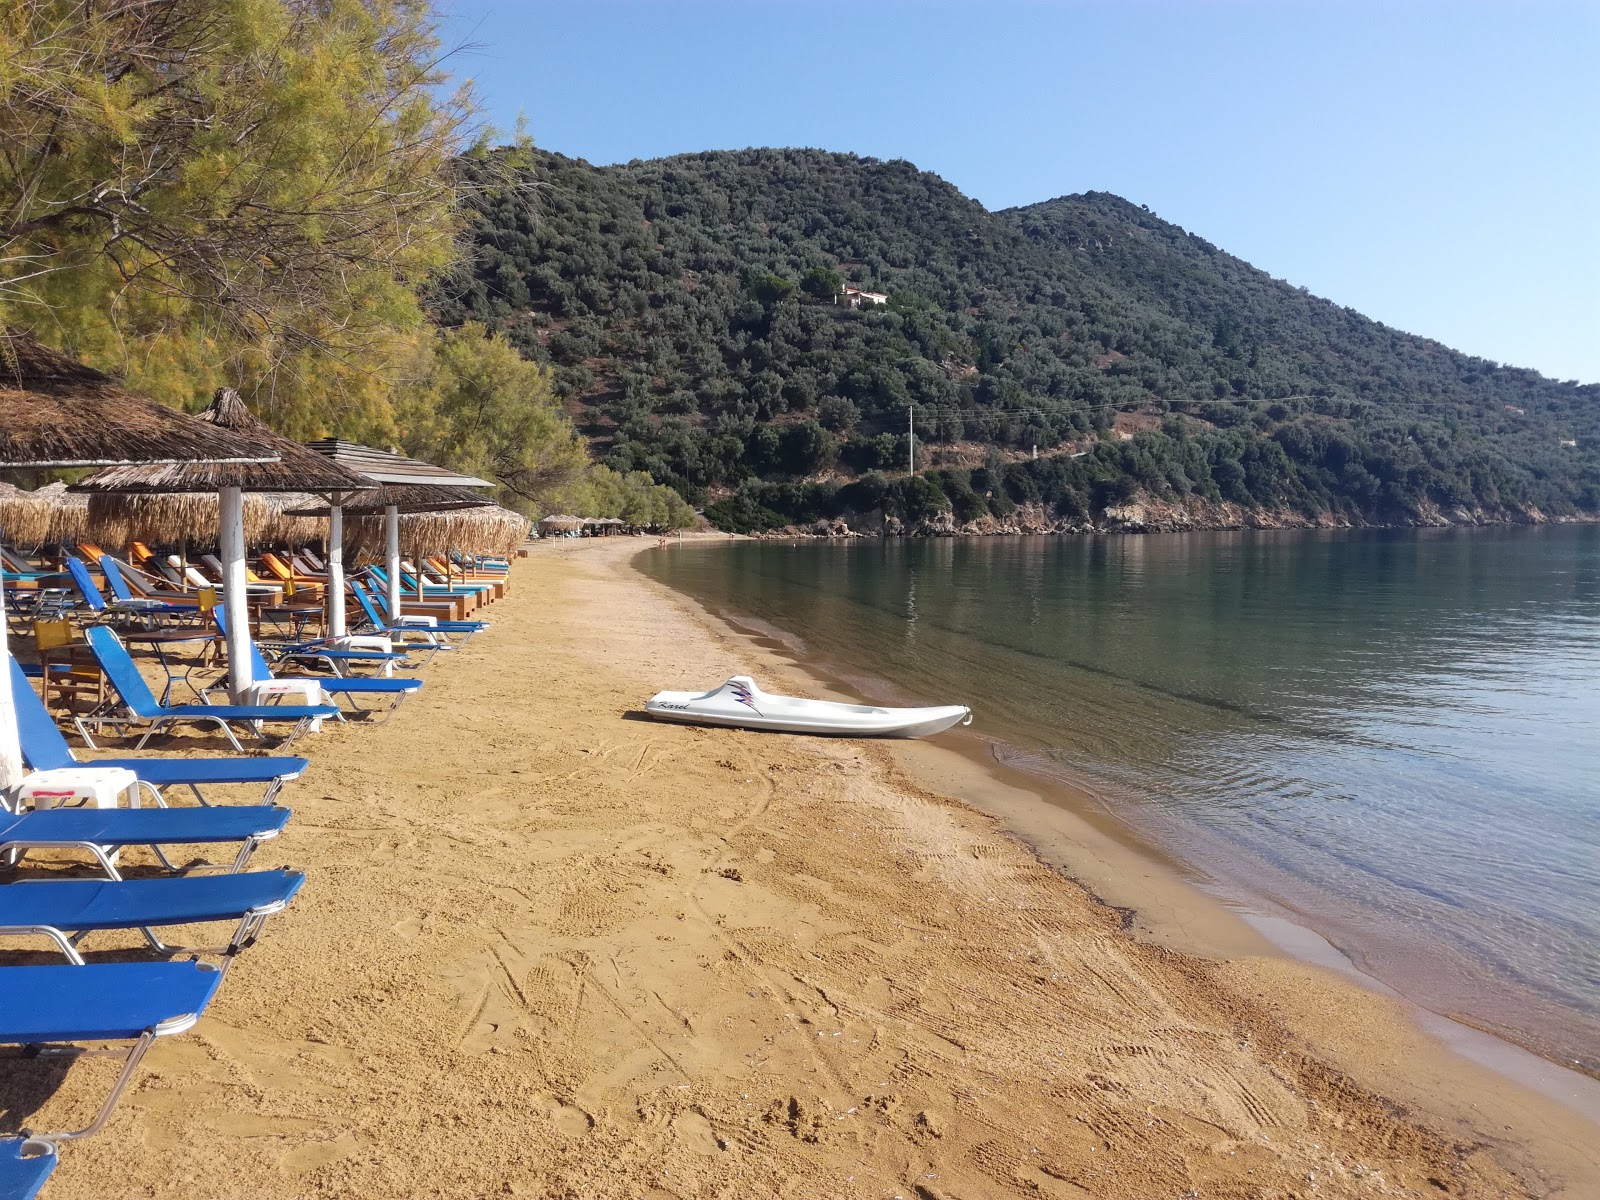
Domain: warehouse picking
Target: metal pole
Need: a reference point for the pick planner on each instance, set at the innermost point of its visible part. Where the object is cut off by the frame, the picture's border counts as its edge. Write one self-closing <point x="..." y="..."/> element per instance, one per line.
<point x="336" y="567"/>
<point x="10" y="741"/>
<point x="391" y="529"/>
<point x="235" y="590"/>
<point x="911" y="440"/>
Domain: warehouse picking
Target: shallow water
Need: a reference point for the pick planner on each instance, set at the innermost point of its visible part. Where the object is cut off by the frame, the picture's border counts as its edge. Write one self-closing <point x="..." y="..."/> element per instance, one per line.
<point x="1393" y="735"/>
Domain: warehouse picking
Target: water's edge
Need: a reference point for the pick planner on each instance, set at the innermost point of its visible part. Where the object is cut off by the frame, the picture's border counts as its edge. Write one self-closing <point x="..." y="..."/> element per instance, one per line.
<point x="1263" y="925"/>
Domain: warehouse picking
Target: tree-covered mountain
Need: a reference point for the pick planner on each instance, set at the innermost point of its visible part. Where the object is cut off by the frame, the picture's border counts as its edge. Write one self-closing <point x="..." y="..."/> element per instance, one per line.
<point x="689" y="308"/>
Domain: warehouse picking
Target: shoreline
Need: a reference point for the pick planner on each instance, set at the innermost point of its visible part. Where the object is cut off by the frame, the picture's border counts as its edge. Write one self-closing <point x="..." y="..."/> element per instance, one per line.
<point x="1151" y="517"/>
<point x="1308" y="922"/>
<point x="1161" y="896"/>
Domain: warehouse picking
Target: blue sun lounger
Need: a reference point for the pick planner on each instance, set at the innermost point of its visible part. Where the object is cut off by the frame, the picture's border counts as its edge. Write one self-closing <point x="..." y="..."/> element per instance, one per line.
<point x="97" y="603"/>
<point x="44" y="749"/>
<point x="98" y="831"/>
<point x="25" y="1163"/>
<point x="429" y="591"/>
<point x="418" y="625"/>
<point x="54" y="1006"/>
<point x="333" y="685"/>
<point x="139" y="705"/>
<point x="336" y="657"/>
<point x="66" y="910"/>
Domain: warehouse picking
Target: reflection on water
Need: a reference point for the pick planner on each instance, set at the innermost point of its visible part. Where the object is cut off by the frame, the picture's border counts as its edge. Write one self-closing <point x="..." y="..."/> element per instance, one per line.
<point x="1390" y="732"/>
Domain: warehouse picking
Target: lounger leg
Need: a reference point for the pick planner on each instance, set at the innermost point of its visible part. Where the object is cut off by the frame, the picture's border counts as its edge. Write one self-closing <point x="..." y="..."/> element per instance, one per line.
<point x="63" y="943"/>
<point x="245" y="936"/>
<point x="161" y="856"/>
<point x="245" y="851"/>
<point x="399" y="699"/>
<point x="129" y="1066"/>
<point x="199" y="795"/>
<point x="18" y="850"/>
<point x="227" y="732"/>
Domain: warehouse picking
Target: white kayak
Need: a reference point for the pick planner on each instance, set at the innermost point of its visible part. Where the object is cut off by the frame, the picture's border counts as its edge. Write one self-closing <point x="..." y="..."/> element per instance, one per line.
<point x="740" y="702"/>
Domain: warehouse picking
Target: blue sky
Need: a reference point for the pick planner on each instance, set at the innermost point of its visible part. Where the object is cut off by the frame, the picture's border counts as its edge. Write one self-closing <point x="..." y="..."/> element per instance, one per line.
<point x="1434" y="165"/>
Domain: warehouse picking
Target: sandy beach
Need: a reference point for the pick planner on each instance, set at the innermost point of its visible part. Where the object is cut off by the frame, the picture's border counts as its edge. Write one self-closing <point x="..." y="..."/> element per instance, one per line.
<point x="547" y="947"/>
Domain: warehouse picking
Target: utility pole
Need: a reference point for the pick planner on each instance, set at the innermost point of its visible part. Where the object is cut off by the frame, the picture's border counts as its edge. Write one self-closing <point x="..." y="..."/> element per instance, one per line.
<point x="911" y="442"/>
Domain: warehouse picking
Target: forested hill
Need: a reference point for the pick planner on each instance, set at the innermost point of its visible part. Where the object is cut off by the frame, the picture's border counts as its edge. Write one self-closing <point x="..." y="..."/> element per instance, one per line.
<point x="689" y="306"/>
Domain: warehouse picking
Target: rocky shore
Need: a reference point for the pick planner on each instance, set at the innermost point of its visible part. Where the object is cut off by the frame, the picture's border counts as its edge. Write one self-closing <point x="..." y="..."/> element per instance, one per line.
<point x="1150" y="515"/>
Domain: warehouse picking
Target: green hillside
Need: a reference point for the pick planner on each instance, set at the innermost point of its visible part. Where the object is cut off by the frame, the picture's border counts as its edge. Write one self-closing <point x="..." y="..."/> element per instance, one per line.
<point x="688" y="308"/>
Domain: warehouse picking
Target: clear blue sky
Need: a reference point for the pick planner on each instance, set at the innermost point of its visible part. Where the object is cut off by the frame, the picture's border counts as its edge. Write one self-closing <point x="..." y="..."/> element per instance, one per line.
<point x="1434" y="165"/>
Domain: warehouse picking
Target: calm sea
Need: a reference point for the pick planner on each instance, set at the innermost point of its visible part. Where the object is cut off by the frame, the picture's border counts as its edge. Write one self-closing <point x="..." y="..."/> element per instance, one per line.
<point x="1392" y="735"/>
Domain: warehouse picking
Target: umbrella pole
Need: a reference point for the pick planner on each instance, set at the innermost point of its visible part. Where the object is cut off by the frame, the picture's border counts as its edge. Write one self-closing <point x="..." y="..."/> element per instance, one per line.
<point x="10" y="740"/>
<point x="235" y="596"/>
<point x="391" y="529"/>
<point x="336" y="569"/>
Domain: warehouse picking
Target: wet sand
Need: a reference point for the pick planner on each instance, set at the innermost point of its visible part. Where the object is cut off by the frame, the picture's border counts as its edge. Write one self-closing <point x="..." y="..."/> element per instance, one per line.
<point x="547" y="948"/>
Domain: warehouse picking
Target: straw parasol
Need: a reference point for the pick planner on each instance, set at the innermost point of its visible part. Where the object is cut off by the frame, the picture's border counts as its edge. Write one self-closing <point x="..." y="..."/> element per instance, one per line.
<point x="69" y="514"/>
<point x="388" y="467"/>
<point x="420" y="522"/>
<point x="24" y="518"/>
<point x="189" y="519"/>
<point x="55" y="412"/>
<point x="486" y="529"/>
<point x="296" y="469"/>
<point x="407" y="498"/>
<point x="47" y="516"/>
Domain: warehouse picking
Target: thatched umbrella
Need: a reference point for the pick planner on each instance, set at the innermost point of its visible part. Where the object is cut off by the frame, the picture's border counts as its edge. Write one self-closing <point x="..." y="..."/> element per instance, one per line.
<point x="419" y="509"/>
<point x="386" y="467"/>
<point x="24" y="517"/>
<point x="47" y="516"/>
<point x="487" y="529"/>
<point x="55" y="412"/>
<point x="69" y="514"/>
<point x="296" y="469"/>
<point x="185" y="518"/>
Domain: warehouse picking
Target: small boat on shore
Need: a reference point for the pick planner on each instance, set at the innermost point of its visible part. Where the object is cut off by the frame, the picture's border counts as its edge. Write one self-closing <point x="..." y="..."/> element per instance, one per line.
<point x="740" y="702"/>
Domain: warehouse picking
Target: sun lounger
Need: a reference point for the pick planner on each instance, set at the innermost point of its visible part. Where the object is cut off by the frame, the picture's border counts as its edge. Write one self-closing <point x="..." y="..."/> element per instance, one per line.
<point x="139" y="705"/>
<point x="99" y="831"/>
<point x="479" y="593"/>
<point x="42" y="1006"/>
<point x="339" y="654"/>
<point x="191" y="573"/>
<point x="118" y="575"/>
<point x="435" y="575"/>
<point x="415" y="625"/>
<point x="25" y="1163"/>
<point x="292" y="580"/>
<point x="17" y="567"/>
<point x="437" y="608"/>
<point x="44" y="749"/>
<point x="330" y="685"/>
<point x="253" y="582"/>
<point x="65" y="910"/>
<point x="462" y="600"/>
<point x="94" y="599"/>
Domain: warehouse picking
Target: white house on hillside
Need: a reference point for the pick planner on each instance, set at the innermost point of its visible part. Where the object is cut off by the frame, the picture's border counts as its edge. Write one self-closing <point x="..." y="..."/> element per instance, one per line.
<point x="855" y="297"/>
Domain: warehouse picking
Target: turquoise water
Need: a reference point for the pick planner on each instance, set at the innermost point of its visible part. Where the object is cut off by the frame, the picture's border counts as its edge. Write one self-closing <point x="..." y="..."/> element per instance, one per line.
<point x="1392" y="735"/>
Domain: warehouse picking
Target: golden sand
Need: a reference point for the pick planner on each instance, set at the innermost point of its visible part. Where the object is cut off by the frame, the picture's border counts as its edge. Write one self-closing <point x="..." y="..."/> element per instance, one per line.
<point x="547" y="948"/>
